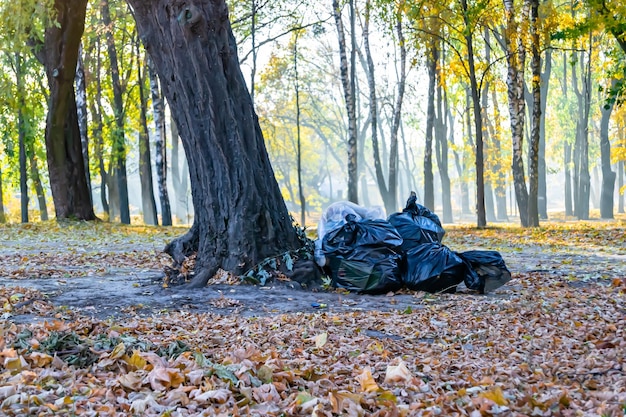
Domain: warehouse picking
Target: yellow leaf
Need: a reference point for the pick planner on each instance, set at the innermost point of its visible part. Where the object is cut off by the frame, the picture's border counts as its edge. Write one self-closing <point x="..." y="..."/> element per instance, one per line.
<point x="136" y="361"/>
<point x="118" y="351"/>
<point x="320" y="340"/>
<point x="497" y="396"/>
<point x="367" y="380"/>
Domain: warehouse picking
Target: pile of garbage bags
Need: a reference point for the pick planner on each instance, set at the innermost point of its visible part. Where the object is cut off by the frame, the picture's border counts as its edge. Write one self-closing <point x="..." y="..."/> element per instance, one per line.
<point x="362" y="251"/>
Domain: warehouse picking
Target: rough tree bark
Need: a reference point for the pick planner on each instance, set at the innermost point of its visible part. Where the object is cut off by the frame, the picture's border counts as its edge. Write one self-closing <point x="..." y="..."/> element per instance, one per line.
<point x="63" y="145"/>
<point x="240" y="215"/>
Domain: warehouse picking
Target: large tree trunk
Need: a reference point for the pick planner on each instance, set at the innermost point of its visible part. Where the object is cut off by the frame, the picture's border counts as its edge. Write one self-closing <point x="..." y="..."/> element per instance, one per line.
<point x="608" y="175"/>
<point x="148" y="203"/>
<point x="66" y="166"/>
<point x="516" y="57"/>
<point x="119" y="141"/>
<point x="240" y="215"/>
<point x="533" y="153"/>
<point x="160" y="142"/>
<point x="347" y="81"/>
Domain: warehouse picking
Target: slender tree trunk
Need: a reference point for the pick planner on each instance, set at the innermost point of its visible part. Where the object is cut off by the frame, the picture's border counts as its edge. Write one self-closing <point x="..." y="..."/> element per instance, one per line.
<point x="299" y="139"/>
<point x="620" y="186"/>
<point x="36" y="178"/>
<point x="3" y="217"/>
<point x="392" y="206"/>
<point x="500" y="183"/>
<point x="429" y="188"/>
<point x="21" y="132"/>
<point x="95" y="105"/>
<point x="373" y="109"/>
<point x="253" y="13"/>
<point x="567" y="160"/>
<point x="148" y="203"/>
<point x="481" y="218"/>
<point x="348" y="83"/>
<point x="516" y="58"/>
<point x="240" y="215"/>
<point x="490" y="211"/>
<point x="119" y="142"/>
<point x="180" y="175"/>
<point x="442" y="149"/>
<point x="81" y="109"/>
<point x="66" y="166"/>
<point x="160" y="145"/>
<point x="582" y="189"/>
<point x="533" y="154"/>
<point x="608" y="175"/>
<point x="545" y="84"/>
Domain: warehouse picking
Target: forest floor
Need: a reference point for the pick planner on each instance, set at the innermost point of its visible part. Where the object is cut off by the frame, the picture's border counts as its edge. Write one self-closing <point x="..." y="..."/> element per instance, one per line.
<point x="91" y="297"/>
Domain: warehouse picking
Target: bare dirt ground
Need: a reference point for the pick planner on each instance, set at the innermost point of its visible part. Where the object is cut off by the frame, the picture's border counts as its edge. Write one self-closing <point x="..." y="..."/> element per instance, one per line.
<point x="103" y="277"/>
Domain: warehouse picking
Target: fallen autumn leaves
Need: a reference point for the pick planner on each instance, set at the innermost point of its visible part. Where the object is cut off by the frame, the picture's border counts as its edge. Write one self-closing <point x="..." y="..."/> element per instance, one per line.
<point x="542" y="345"/>
<point x="550" y="349"/>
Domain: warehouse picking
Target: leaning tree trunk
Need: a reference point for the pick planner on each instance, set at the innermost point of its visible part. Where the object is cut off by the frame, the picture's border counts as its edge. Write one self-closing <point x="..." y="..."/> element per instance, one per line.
<point x="66" y="167"/>
<point x="240" y="215"/>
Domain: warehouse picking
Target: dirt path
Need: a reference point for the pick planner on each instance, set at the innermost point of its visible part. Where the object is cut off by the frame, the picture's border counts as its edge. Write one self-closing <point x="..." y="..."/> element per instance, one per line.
<point x="113" y="287"/>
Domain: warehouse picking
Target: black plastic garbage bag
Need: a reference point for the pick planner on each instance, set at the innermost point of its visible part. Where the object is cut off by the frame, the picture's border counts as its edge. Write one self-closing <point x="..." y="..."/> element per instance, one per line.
<point x="433" y="267"/>
<point x="490" y="268"/>
<point x="364" y="256"/>
<point x="417" y="224"/>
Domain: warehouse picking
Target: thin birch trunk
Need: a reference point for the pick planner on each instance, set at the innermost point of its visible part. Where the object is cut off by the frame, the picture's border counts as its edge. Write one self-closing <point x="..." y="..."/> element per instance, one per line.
<point x="160" y="145"/>
<point x="81" y="110"/>
<point x="348" y="84"/>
